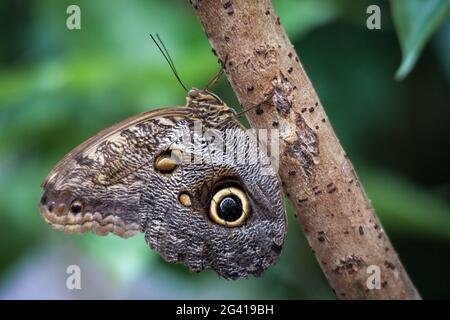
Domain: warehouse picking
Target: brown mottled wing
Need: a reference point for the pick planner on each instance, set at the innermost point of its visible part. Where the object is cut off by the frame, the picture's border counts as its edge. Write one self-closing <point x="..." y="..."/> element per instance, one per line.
<point x="96" y="178"/>
<point x="103" y="138"/>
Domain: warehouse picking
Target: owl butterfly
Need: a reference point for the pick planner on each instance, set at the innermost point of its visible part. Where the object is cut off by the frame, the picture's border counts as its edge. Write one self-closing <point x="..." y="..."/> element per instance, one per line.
<point x="196" y="192"/>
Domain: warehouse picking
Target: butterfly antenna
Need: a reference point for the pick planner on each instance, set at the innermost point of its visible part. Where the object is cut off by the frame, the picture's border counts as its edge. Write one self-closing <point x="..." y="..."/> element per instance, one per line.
<point x="218" y="75"/>
<point x="240" y="114"/>
<point x="214" y="79"/>
<point x="162" y="48"/>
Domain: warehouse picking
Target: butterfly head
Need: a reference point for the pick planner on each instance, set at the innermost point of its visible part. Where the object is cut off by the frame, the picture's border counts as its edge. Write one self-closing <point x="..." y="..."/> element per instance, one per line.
<point x="208" y="106"/>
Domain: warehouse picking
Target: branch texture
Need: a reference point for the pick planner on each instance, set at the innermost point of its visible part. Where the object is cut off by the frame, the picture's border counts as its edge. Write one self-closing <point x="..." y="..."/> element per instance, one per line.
<point x="318" y="178"/>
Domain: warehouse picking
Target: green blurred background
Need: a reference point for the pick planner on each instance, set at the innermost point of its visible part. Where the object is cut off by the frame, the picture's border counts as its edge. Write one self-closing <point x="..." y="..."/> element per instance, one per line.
<point x="59" y="87"/>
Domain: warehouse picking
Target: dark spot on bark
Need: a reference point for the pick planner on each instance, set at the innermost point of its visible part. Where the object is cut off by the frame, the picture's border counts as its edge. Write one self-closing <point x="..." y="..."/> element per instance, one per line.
<point x="267" y="12"/>
<point x="311" y="110"/>
<point x="296" y="59"/>
<point x="290" y="70"/>
<point x="346" y="232"/>
<point x="317" y="192"/>
<point x="290" y="54"/>
<point x="259" y="111"/>
<point x="332" y="190"/>
<point x="380" y="235"/>
<point x="361" y="230"/>
<point x="386" y="249"/>
<point x="330" y="185"/>
<point x="292" y="173"/>
<point x="288" y="194"/>
<point x="350" y="181"/>
<point x="250" y="88"/>
<point x="214" y="52"/>
<point x="375" y="226"/>
<point x="228" y="6"/>
<point x="230" y="63"/>
<point x="294" y="88"/>
<point x="323" y="120"/>
<point x="302" y="200"/>
<point x="278" y="20"/>
<point x="348" y="190"/>
<point x="227" y="39"/>
<point x="321" y="238"/>
<point x="384" y="284"/>
<point x="303" y="110"/>
<point x="317" y="127"/>
<point x="317" y="104"/>
<point x="349" y="265"/>
<point x="275" y="124"/>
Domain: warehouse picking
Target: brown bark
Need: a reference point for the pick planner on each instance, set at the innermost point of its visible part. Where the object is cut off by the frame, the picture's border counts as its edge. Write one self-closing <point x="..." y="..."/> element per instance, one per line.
<point x="318" y="178"/>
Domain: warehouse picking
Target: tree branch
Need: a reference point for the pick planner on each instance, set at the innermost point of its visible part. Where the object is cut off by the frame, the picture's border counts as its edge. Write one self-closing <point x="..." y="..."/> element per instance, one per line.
<point x="318" y="178"/>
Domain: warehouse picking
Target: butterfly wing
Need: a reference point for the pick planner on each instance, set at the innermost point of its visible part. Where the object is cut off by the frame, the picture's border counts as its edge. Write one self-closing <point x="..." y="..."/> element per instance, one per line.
<point x="212" y="206"/>
<point x="234" y="221"/>
<point x="97" y="185"/>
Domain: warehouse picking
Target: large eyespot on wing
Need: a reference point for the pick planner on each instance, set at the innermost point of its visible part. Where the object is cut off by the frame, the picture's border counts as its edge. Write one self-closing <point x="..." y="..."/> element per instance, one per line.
<point x="245" y="211"/>
<point x="229" y="207"/>
<point x="248" y="229"/>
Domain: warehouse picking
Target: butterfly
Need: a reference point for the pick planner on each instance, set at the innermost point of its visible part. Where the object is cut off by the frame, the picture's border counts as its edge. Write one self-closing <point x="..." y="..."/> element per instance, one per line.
<point x="191" y="178"/>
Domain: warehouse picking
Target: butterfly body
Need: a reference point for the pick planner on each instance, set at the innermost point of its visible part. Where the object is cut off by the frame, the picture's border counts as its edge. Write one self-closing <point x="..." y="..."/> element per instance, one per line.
<point x="165" y="173"/>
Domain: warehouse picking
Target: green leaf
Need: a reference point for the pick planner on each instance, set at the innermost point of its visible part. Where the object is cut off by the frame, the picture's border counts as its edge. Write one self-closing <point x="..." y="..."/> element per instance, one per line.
<point x="416" y="21"/>
<point x="301" y="17"/>
<point x="406" y="208"/>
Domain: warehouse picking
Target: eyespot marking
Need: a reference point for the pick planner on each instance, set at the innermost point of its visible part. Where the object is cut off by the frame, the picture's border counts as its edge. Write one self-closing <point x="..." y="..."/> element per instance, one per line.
<point x="229" y="207"/>
<point x="76" y="207"/>
<point x="185" y="199"/>
<point x="168" y="161"/>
